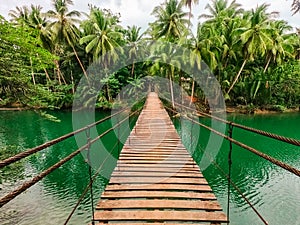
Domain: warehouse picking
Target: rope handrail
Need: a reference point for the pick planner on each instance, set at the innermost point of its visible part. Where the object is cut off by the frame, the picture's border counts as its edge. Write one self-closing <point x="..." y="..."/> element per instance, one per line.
<point x="10" y="196"/>
<point x="228" y="177"/>
<point x="291" y="141"/>
<point x="234" y="185"/>
<point x="251" y="149"/>
<point x="89" y="185"/>
<point x="36" y="149"/>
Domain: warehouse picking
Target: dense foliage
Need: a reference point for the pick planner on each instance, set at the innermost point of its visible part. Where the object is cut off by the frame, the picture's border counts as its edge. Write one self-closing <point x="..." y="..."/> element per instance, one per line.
<point x="254" y="54"/>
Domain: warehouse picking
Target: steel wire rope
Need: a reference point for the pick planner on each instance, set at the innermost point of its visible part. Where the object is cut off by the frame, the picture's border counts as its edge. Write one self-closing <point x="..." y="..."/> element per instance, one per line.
<point x="36" y="149"/>
<point x="10" y="196"/>
<point x="227" y="177"/>
<point x="291" y="141"/>
<point x="94" y="177"/>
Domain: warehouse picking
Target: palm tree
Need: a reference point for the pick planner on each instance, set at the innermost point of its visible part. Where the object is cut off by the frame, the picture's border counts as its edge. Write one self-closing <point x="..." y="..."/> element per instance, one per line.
<point x="103" y="38"/>
<point x="221" y="9"/>
<point x="35" y="19"/>
<point x="296" y="6"/>
<point x="63" y="26"/>
<point x="189" y="3"/>
<point x="133" y="39"/>
<point x="170" y="21"/>
<point x="255" y="39"/>
<point x="167" y="63"/>
<point x="281" y="43"/>
<point x="201" y="48"/>
<point x="20" y="15"/>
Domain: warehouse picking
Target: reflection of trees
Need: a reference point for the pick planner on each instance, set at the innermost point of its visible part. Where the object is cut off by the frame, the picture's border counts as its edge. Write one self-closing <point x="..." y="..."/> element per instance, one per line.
<point x="13" y="172"/>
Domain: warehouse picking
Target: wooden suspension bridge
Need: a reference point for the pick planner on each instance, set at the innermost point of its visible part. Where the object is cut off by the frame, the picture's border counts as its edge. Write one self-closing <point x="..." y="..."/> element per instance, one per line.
<point x="155" y="180"/>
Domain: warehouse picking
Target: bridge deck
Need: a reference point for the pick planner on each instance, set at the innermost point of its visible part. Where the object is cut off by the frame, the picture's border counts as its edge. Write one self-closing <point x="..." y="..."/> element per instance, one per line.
<point x="156" y="181"/>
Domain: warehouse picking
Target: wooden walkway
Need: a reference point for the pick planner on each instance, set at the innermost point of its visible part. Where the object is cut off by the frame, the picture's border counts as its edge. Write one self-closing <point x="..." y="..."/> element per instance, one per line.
<point x="156" y="181"/>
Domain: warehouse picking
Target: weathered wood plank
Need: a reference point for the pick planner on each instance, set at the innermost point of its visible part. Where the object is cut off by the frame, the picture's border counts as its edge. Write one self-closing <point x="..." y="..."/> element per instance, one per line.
<point x="156" y="181"/>
<point x="155" y="174"/>
<point x="159" y="204"/>
<point x="157" y="194"/>
<point x="160" y="216"/>
<point x="147" y="180"/>
<point x="171" y="187"/>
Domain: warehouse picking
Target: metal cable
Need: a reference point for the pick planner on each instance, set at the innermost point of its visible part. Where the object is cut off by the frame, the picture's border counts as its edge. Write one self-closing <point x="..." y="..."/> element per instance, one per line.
<point x="7" y="198"/>
<point x="251" y="149"/>
<point x="261" y="132"/>
<point x="93" y="178"/>
<point x="31" y="151"/>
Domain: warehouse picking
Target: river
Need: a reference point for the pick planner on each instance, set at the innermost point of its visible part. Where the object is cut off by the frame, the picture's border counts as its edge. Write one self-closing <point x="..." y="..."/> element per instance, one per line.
<point x="274" y="192"/>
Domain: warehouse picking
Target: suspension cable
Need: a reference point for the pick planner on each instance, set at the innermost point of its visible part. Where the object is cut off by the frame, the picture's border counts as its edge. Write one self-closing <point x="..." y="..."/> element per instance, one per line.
<point x="7" y="198"/>
<point x="227" y="177"/>
<point x="251" y="149"/>
<point x="31" y="151"/>
<point x="291" y="141"/>
<point x="94" y="177"/>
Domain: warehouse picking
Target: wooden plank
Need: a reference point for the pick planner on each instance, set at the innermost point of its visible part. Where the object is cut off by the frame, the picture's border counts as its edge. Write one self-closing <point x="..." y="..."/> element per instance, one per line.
<point x="148" y="223"/>
<point x="154" y="174"/>
<point x="173" y="187"/>
<point x="147" y="180"/>
<point x="154" y="154"/>
<point x="157" y="194"/>
<point x="184" y="159"/>
<point x="178" y="162"/>
<point x="159" y="204"/>
<point x="153" y="165"/>
<point x="160" y="216"/>
<point x="158" y="169"/>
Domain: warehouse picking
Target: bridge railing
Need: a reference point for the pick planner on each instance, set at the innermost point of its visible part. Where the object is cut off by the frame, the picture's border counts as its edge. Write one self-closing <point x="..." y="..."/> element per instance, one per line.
<point x="10" y="196"/>
<point x="231" y="140"/>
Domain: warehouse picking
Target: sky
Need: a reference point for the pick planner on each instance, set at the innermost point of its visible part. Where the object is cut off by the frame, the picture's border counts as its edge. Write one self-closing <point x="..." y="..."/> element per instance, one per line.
<point x="138" y="12"/>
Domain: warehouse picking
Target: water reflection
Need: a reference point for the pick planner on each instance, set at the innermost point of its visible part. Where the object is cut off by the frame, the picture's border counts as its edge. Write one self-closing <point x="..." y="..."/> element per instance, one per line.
<point x="51" y="200"/>
<point x="272" y="190"/>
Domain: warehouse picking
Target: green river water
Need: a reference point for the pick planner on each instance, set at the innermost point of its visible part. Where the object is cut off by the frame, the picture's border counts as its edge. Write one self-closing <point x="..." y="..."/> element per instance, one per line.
<point x="273" y="191"/>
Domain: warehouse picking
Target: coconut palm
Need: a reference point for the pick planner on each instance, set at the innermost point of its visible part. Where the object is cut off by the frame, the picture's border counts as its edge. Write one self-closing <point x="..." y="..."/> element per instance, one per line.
<point x="170" y="21"/>
<point x="133" y="39"/>
<point x="221" y="9"/>
<point x="64" y="25"/>
<point x="296" y="6"/>
<point x="35" y="19"/>
<point x="281" y="43"/>
<point x="189" y="3"/>
<point x="103" y="38"/>
<point x="255" y="38"/>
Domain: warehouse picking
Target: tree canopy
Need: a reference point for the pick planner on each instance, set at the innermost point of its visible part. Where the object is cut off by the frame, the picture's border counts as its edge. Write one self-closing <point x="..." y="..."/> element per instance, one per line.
<point x="253" y="53"/>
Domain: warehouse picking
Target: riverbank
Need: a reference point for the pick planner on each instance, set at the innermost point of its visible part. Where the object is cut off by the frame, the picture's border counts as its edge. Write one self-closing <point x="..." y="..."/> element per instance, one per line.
<point x="254" y="110"/>
<point x="229" y="109"/>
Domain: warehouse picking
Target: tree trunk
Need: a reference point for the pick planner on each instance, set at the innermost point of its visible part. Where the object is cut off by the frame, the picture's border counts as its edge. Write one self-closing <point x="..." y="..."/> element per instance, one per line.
<point x="72" y="80"/>
<point x="171" y="90"/>
<point x="237" y="76"/>
<point x="63" y="78"/>
<point x="192" y="94"/>
<point x="47" y="74"/>
<point x="32" y="73"/>
<point x="267" y="65"/>
<point x="79" y="61"/>
<point x="57" y="71"/>
<point x="132" y="70"/>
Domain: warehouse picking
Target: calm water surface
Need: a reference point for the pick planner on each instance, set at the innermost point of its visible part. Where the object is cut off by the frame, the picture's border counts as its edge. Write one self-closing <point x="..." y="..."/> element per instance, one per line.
<point x="273" y="191"/>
